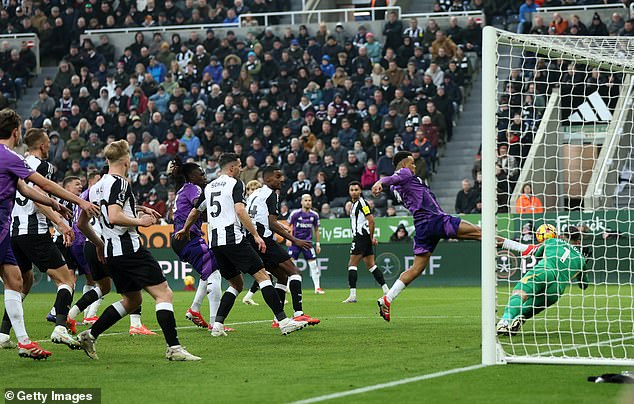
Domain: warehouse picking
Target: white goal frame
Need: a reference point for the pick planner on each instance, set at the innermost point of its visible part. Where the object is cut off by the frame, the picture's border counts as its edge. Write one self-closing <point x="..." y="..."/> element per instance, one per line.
<point x="492" y="352"/>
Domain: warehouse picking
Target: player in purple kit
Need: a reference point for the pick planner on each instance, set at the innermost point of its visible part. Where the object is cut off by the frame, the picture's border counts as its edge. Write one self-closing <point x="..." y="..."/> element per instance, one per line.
<point x="430" y="221"/>
<point x="303" y="221"/>
<point x="190" y="179"/>
<point x="13" y="172"/>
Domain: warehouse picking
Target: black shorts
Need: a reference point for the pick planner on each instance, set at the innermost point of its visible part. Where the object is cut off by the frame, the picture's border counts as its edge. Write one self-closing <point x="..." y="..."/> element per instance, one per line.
<point x="274" y="254"/>
<point x="133" y="272"/>
<point x="38" y="249"/>
<point x="236" y="258"/>
<point x="59" y="243"/>
<point x="362" y="245"/>
<point x="97" y="269"/>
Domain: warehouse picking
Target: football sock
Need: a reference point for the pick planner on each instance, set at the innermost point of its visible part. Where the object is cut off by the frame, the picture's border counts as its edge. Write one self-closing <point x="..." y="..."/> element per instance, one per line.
<point x="315" y="273"/>
<point x="272" y="299"/>
<point x="513" y="308"/>
<point x="63" y="301"/>
<point x="85" y="290"/>
<point x="167" y="322"/>
<point x="109" y="317"/>
<point x="201" y="292"/>
<point x="226" y="303"/>
<point x="5" y="325"/>
<point x="295" y="285"/>
<point x="15" y="312"/>
<point x="396" y="289"/>
<point x="352" y="279"/>
<point x="280" y="289"/>
<point x="135" y="318"/>
<point x="378" y="275"/>
<point x="214" y="293"/>
<point x="85" y="301"/>
<point x="254" y="288"/>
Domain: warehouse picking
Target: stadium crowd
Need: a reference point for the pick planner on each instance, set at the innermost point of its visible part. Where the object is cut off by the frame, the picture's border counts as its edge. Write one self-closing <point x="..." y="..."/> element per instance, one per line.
<point x="329" y="107"/>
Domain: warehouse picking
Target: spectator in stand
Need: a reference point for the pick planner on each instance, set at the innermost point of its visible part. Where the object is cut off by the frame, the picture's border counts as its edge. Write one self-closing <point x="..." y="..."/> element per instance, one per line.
<point x="558" y="26"/>
<point x="465" y="202"/>
<point x="616" y="24"/>
<point x="527" y="203"/>
<point x="298" y="188"/>
<point x="370" y="175"/>
<point x="153" y="202"/>
<point x="525" y="16"/>
<point x="400" y="235"/>
<point x="385" y="166"/>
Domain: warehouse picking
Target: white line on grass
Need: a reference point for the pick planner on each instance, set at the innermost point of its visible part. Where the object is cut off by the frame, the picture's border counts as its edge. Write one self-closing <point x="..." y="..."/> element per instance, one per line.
<point x="178" y="328"/>
<point x="374" y="387"/>
<point x="577" y="347"/>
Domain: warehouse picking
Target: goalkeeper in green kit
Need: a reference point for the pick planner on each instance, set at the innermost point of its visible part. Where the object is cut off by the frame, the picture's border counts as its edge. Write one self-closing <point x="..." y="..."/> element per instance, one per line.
<point x="562" y="263"/>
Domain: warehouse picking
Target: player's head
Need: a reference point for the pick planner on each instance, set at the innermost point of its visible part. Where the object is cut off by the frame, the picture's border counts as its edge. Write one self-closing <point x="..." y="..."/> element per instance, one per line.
<point x="404" y="159"/>
<point x="93" y="176"/>
<point x="307" y="202"/>
<point x="37" y="142"/>
<point x="72" y="184"/>
<point x="273" y="177"/>
<point x="185" y="172"/>
<point x="10" y="125"/>
<point x="230" y="164"/>
<point x="354" y="189"/>
<point x="118" y="153"/>
<point x="252" y="186"/>
<point x="572" y="234"/>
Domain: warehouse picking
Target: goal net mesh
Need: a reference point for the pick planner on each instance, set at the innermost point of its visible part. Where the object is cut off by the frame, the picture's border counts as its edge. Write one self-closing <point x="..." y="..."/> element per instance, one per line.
<point x="565" y="157"/>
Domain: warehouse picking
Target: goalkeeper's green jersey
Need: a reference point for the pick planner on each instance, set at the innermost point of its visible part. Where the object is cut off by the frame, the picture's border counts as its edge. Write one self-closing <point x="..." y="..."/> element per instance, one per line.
<point x="563" y="257"/>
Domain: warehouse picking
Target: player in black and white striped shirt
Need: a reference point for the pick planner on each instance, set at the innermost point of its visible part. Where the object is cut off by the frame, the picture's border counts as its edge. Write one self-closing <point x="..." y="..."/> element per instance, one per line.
<point x="32" y="243"/>
<point x="263" y="208"/>
<point x="226" y="215"/>
<point x="131" y="266"/>
<point x="363" y="241"/>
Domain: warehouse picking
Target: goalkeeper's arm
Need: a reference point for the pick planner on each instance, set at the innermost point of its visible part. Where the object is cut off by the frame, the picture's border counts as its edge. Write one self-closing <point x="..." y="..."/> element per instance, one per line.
<point x="524" y="249"/>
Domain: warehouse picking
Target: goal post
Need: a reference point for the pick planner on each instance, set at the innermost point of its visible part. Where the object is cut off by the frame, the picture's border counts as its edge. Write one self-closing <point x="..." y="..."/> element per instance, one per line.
<point x="562" y="107"/>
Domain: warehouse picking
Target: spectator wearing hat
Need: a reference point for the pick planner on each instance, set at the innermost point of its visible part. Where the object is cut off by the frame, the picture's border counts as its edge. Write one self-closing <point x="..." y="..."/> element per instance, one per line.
<point x="155" y="202"/>
<point x="56" y="148"/>
<point x="326" y="67"/>
<point x="214" y="69"/>
<point x="138" y="100"/>
<point x="597" y="27"/>
<point x="373" y="47"/>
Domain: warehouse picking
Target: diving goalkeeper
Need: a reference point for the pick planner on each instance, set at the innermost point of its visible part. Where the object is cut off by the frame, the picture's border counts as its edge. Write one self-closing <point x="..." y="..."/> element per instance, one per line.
<point x="562" y="263"/>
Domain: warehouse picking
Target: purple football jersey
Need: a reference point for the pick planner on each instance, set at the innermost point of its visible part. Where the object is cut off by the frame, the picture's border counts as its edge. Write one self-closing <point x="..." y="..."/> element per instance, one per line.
<point x="185" y="198"/>
<point x="12" y="167"/>
<point x="414" y="193"/>
<point x="79" y="236"/>
<point x="303" y="223"/>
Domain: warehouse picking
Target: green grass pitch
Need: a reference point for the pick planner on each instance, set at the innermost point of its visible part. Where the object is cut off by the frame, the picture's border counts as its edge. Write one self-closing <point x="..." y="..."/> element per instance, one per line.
<point x="432" y="330"/>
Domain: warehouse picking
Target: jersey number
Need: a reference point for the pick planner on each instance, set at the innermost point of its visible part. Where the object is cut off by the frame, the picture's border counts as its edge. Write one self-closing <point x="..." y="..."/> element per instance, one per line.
<point x="565" y="256"/>
<point x="214" y="204"/>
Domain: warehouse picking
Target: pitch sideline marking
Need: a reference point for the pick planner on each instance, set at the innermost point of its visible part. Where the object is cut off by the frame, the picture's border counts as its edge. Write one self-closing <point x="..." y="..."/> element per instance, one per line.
<point x="379" y="386"/>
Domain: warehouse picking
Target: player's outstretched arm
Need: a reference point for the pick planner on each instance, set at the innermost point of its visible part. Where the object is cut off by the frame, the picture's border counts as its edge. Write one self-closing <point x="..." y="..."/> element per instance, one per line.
<point x="281" y="230"/>
<point x="53" y="188"/>
<point x="117" y="217"/>
<point x="183" y="233"/>
<point x="43" y="199"/>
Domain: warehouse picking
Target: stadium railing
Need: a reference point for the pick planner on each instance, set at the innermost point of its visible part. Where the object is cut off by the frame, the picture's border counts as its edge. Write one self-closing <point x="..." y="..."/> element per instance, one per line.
<point x="15" y="42"/>
<point x="585" y="13"/>
<point x="344" y="15"/>
<point x="442" y="19"/>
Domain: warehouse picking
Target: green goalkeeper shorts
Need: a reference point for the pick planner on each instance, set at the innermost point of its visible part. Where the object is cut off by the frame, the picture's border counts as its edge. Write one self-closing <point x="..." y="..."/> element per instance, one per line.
<point x="541" y="282"/>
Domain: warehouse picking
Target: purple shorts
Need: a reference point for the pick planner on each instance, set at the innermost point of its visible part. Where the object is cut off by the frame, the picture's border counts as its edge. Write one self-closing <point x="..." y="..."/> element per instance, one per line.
<point x="197" y="253"/>
<point x="429" y="232"/>
<point x="294" y="251"/>
<point x="6" y="252"/>
<point x="77" y="254"/>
